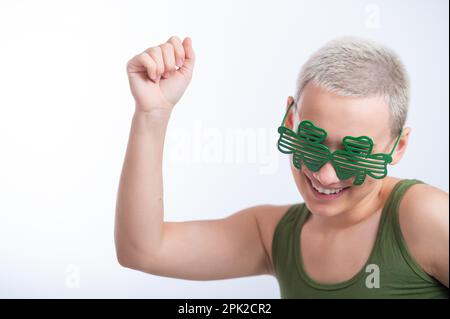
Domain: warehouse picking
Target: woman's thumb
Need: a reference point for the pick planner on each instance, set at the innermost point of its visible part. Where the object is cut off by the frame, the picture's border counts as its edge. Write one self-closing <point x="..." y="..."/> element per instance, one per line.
<point x="189" y="60"/>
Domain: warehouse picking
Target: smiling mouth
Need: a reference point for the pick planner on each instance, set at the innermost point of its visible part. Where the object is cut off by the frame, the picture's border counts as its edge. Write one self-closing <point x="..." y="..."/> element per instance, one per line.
<point x="327" y="192"/>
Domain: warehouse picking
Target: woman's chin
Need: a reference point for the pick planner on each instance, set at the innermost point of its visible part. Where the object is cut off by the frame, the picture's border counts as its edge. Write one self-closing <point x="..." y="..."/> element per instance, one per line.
<point x="321" y="210"/>
<point x="321" y="204"/>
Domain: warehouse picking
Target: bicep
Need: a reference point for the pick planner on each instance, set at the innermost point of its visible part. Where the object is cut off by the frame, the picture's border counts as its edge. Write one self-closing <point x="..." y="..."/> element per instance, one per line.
<point x="210" y="249"/>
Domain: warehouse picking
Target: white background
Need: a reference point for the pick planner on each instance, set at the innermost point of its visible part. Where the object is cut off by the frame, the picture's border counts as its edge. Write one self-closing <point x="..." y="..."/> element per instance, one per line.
<point x="65" y="112"/>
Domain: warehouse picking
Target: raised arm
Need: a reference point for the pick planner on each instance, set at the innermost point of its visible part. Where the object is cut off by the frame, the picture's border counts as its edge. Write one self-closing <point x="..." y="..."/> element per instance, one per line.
<point x="201" y="250"/>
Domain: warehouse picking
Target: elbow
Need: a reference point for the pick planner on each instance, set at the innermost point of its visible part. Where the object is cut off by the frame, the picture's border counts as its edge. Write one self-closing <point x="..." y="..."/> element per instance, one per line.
<point x="127" y="260"/>
<point x="126" y="256"/>
<point x="124" y="260"/>
<point x="136" y="260"/>
<point x="125" y="253"/>
<point x="133" y="254"/>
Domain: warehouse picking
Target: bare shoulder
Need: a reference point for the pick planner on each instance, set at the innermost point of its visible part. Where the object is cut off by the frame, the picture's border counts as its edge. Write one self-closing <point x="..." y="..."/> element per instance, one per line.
<point x="424" y="205"/>
<point x="424" y="222"/>
<point x="268" y="217"/>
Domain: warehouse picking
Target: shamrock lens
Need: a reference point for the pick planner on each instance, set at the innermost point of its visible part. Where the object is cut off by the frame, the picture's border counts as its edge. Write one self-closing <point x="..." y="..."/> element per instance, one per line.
<point x="355" y="160"/>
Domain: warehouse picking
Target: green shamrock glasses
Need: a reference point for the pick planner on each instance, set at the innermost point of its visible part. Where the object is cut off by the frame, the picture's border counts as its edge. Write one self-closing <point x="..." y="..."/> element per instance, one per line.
<point x="356" y="159"/>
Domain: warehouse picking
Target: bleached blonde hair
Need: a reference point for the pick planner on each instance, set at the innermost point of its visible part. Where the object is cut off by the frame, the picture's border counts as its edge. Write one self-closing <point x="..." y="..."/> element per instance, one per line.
<point x="352" y="66"/>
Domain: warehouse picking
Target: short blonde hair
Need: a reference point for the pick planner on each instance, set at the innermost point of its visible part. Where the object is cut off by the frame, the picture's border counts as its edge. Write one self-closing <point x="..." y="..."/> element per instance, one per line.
<point x="351" y="66"/>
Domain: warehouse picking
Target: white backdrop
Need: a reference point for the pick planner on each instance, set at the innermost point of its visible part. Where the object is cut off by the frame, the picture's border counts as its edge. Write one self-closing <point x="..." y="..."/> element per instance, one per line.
<point x="65" y="112"/>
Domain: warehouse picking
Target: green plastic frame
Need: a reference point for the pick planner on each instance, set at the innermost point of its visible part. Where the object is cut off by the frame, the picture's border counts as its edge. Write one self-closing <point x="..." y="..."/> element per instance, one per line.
<point x="356" y="159"/>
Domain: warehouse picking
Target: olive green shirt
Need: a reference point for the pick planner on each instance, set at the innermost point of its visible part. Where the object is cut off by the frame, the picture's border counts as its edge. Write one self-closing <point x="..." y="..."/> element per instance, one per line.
<point x="390" y="271"/>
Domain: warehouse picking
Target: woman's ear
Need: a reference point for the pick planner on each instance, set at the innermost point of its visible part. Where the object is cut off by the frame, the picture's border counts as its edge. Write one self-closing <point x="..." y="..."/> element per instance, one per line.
<point x="401" y="147"/>
<point x="289" y="122"/>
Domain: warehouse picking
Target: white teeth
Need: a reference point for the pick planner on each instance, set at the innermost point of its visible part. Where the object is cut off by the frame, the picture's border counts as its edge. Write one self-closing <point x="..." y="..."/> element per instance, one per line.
<point x="326" y="191"/>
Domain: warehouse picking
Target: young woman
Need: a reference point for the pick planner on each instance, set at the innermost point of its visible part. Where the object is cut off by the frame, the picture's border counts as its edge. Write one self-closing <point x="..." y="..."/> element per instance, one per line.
<point x="358" y="234"/>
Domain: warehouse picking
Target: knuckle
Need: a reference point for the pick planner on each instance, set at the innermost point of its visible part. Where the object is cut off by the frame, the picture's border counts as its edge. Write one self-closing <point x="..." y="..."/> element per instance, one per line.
<point x="166" y="46"/>
<point x="174" y="38"/>
<point x="154" y="51"/>
<point x="175" y="41"/>
<point x="142" y="58"/>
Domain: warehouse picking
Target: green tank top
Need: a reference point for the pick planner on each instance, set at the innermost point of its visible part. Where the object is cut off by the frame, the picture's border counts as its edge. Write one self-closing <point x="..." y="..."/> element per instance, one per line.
<point x="390" y="271"/>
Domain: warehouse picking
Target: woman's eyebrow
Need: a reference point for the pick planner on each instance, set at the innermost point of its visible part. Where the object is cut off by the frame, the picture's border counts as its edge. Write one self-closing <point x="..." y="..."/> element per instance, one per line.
<point x="340" y="143"/>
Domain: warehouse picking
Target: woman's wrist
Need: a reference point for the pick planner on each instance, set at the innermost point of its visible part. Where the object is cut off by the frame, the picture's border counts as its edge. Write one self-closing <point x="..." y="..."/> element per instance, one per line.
<point x="153" y="119"/>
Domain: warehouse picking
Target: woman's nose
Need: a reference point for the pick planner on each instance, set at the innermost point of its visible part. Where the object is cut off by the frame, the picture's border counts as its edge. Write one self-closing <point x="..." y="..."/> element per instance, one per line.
<point x="326" y="175"/>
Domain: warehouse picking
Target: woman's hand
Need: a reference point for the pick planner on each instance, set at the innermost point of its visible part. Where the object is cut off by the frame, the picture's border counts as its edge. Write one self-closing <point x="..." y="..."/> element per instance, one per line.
<point x="159" y="76"/>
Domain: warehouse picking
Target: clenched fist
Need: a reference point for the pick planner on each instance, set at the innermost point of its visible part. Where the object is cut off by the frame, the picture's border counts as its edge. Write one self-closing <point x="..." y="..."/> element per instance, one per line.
<point x="159" y="76"/>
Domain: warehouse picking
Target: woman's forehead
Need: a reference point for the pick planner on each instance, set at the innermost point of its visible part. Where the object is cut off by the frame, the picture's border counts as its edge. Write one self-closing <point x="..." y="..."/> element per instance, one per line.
<point x="338" y="128"/>
<point x="342" y="116"/>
